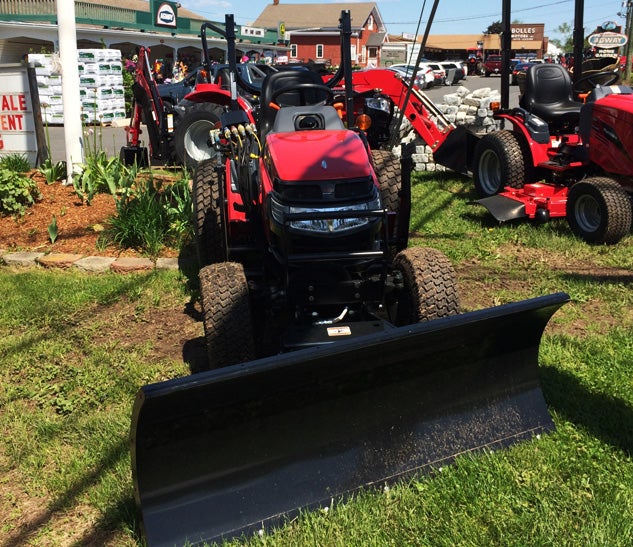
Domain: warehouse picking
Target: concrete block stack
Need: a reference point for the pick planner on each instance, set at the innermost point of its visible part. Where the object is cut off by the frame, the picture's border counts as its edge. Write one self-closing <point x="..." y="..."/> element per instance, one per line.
<point x="462" y="107"/>
<point x="100" y="86"/>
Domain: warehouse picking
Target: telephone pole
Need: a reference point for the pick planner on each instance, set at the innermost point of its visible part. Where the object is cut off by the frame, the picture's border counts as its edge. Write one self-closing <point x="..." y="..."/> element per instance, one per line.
<point x="628" y="48"/>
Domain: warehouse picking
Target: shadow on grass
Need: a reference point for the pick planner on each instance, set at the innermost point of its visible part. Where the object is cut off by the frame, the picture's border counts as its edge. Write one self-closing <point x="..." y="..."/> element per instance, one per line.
<point x="121" y="514"/>
<point x="602" y="277"/>
<point x="606" y="417"/>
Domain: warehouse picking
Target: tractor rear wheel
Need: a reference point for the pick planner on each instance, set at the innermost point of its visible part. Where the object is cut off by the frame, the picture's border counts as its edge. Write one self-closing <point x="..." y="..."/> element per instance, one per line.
<point x="599" y="210"/>
<point x="389" y="173"/>
<point x="226" y="314"/>
<point x="498" y="162"/>
<point x="191" y="134"/>
<point x="430" y="286"/>
<point x="208" y="214"/>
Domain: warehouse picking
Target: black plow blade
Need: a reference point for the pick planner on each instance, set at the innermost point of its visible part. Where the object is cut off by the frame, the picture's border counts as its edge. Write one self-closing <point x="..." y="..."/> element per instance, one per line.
<point x="229" y="451"/>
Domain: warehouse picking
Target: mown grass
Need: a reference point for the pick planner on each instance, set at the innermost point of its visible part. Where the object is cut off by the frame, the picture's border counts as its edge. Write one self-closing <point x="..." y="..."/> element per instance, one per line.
<point x="69" y="371"/>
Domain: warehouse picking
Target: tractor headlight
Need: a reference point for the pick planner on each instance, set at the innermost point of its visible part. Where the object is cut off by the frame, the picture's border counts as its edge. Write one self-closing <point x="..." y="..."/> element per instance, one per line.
<point x="316" y="220"/>
<point x="378" y="103"/>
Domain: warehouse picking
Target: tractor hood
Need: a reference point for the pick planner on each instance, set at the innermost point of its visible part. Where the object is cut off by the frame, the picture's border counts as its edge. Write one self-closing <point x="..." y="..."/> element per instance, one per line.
<point x="316" y="155"/>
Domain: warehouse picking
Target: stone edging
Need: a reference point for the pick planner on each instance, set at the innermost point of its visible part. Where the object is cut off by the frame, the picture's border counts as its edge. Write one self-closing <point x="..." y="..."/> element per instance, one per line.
<point x="95" y="264"/>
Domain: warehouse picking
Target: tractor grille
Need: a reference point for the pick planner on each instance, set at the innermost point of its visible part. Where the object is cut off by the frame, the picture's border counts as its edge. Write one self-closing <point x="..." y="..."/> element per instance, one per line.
<point x="330" y="190"/>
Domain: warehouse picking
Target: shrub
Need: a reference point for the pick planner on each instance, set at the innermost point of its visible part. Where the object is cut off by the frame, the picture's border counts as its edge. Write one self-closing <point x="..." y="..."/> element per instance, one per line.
<point x="152" y="215"/>
<point x="17" y="163"/>
<point x="17" y="192"/>
<point x="103" y="174"/>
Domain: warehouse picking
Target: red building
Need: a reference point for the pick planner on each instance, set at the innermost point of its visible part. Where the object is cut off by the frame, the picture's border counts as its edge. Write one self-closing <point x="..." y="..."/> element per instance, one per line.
<point x="312" y="34"/>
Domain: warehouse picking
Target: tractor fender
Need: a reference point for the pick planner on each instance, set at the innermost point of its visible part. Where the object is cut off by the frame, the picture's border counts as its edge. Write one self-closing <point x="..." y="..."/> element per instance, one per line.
<point x="211" y="93"/>
<point x="536" y="141"/>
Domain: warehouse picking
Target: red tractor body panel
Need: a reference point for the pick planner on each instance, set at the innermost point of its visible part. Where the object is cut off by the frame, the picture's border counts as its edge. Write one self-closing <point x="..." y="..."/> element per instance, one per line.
<point x="611" y="138"/>
<point x="317" y="155"/>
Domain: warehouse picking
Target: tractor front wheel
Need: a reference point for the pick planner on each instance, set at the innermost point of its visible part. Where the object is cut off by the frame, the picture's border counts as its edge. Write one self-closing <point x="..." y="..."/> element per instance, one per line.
<point x="226" y="314"/>
<point x="191" y="134"/>
<point x="389" y="174"/>
<point x="208" y="214"/>
<point x="599" y="210"/>
<point x="498" y="162"/>
<point x="430" y="286"/>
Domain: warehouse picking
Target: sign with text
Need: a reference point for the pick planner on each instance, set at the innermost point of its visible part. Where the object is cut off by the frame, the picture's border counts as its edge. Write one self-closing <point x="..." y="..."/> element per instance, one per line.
<point x="165" y="14"/>
<point x="524" y="32"/>
<point x="17" y="124"/>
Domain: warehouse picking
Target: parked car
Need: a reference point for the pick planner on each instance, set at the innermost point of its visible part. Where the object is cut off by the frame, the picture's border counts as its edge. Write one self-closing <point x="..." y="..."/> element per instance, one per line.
<point x="492" y="65"/>
<point x="438" y="72"/>
<point x="519" y="71"/>
<point x="458" y="74"/>
<point x="425" y="77"/>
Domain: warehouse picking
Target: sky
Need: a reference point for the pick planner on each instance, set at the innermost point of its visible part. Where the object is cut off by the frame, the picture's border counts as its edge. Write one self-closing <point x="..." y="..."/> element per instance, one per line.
<point x="452" y="16"/>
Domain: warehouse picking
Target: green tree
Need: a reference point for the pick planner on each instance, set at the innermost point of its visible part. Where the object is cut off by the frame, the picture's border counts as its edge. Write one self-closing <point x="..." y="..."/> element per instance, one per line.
<point x="566" y="43"/>
<point x="494" y="28"/>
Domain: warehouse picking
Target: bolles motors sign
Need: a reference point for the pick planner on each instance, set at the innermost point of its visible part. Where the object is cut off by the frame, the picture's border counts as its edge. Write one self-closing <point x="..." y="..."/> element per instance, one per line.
<point x="524" y="32"/>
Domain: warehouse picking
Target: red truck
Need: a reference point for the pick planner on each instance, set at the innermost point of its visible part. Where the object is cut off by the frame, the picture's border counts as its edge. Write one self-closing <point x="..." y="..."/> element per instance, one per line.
<point x="492" y="65"/>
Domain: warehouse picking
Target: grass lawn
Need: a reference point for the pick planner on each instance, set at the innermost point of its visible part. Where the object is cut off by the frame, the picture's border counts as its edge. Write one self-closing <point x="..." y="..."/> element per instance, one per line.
<point x="74" y="349"/>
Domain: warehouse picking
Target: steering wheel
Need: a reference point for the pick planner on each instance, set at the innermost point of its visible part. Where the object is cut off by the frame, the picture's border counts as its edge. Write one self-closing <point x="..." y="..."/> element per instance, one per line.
<point x="303" y="89"/>
<point x="591" y="81"/>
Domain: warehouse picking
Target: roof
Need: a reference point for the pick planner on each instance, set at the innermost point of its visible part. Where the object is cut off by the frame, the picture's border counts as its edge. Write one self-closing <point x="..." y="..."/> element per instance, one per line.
<point x="468" y="41"/>
<point x="143" y="5"/>
<point x="376" y="39"/>
<point x="316" y="16"/>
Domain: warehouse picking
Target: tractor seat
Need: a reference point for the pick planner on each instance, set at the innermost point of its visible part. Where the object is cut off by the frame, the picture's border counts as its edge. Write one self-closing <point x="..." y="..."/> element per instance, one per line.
<point x="287" y="78"/>
<point x="307" y="118"/>
<point x="548" y="94"/>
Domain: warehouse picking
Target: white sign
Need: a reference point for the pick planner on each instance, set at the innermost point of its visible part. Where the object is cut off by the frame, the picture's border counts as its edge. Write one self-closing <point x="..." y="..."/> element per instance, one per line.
<point x="252" y="31"/>
<point x="607" y="40"/>
<point x="165" y="15"/>
<point x="17" y="126"/>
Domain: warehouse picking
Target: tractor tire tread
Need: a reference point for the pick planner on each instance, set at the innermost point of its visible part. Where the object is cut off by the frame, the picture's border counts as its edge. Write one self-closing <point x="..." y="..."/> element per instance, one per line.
<point x="226" y="313"/>
<point x="389" y="173"/>
<point x="511" y="156"/>
<point x="207" y="209"/>
<point x="431" y="283"/>
<point x="616" y="204"/>
<point x="194" y="112"/>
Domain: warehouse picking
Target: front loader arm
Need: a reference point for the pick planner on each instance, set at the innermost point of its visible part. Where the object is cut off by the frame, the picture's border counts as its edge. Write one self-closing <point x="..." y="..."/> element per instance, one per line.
<point x="148" y="108"/>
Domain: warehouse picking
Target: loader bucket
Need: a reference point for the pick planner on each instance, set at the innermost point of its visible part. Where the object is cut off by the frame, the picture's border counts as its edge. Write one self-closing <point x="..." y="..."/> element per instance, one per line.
<point x="229" y="451"/>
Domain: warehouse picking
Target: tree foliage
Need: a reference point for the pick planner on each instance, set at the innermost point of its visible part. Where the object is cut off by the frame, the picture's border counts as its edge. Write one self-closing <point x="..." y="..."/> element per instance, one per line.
<point x="494" y="28"/>
<point x="566" y="43"/>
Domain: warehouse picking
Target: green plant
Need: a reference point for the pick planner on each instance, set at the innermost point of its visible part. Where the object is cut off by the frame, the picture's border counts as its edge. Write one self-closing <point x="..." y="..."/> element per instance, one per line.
<point x="52" y="172"/>
<point x="17" y="192"/>
<point x="52" y="229"/>
<point x="18" y="163"/>
<point x="152" y="215"/>
<point x="101" y="174"/>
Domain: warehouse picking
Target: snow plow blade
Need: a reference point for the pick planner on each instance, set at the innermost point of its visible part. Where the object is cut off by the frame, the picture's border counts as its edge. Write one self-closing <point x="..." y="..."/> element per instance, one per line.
<point x="226" y="452"/>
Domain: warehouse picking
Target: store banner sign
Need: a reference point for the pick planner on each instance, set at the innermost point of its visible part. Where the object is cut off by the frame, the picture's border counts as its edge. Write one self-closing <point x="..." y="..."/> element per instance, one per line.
<point x="165" y="14"/>
<point x="17" y="122"/>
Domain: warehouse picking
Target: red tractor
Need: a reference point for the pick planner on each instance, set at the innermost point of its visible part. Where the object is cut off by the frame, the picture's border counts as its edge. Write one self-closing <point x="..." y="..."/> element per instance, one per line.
<point x="562" y="157"/>
<point x="302" y="215"/>
<point x="339" y="356"/>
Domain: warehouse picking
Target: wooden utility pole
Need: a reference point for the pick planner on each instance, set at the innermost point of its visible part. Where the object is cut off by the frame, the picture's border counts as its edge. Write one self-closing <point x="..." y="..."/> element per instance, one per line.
<point x="629" y="36"/>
